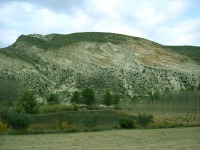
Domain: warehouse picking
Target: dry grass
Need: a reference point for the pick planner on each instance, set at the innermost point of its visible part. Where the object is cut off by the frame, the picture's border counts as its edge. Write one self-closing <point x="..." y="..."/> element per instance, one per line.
<point x="178" y="118"/>
<point x="174" y="138"/>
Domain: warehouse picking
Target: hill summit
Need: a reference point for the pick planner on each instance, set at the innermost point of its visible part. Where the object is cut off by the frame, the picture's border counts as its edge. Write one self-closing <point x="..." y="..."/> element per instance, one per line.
<point x="125" y="65"/>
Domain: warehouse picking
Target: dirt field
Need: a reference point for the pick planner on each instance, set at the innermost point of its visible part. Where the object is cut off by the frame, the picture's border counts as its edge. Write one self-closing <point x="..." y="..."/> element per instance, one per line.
<point x="141" y="139"/>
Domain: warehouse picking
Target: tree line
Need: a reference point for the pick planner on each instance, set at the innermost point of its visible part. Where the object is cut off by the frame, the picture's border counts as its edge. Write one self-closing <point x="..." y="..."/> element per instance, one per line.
<point x="87" y="96"/>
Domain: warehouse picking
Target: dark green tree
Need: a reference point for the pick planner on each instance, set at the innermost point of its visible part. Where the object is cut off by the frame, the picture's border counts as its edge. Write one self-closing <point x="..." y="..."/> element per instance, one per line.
<point x="53" y="99"/>
<point x="107" y="98"/>
<point x="116" y="99"/>
<point x="88" y="95"/>
<point x="27" y="103"/>
<point x="76" y="98"/>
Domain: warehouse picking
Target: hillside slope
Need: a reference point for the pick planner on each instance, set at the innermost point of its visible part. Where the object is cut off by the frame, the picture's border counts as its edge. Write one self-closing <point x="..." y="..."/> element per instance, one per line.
<point x="191" y="51"/>
<point x="125" y="65"/>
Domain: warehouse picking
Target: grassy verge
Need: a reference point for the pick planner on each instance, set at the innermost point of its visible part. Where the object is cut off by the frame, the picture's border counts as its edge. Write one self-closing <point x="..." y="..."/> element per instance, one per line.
<point x="64" y="119"/>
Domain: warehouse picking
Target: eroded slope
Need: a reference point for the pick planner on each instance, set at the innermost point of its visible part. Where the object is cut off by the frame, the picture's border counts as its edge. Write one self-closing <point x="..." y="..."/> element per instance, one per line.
<point x="125" y="65"/>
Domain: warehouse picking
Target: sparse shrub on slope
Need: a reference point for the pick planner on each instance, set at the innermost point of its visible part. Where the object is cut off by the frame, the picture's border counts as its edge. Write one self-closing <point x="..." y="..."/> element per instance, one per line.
<point x="9" y="90"/>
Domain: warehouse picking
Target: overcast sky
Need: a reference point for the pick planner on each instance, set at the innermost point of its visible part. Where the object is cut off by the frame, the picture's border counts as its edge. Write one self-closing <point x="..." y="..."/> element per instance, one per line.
<point x="168" y="22"/>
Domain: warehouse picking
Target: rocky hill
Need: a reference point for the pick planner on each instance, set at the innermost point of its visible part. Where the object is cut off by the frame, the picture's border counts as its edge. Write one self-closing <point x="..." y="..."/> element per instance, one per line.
<point x="123" y="64"/>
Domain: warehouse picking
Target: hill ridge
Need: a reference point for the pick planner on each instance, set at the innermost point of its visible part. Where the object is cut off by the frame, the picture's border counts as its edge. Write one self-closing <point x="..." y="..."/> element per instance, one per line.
<point x="124" y="64"/>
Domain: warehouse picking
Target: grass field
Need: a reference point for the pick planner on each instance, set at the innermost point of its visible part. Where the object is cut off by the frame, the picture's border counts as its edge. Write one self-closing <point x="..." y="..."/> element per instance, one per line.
<point x="157" y="139"/>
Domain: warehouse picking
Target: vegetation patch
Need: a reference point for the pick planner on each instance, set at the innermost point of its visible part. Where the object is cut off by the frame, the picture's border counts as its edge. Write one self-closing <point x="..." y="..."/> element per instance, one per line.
<point x="91" y="120"/>
<point x="127" y="123"/>
<point x="18" y="121"/>
<point x="56" y="108"/>
<point x="145" y="119"/>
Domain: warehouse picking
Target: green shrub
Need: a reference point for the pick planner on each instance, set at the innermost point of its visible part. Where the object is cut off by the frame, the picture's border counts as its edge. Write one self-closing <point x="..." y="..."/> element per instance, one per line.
<point x="126" y="123"/>
<point x="27" y="103"/>
<point x="53" y="99"/>
<point x="88" y="95"/>
<point x="18" y="121"/>
<point x="91" y="120"/>
<point x="107" y="98"/>
<point x="144" y="119"/>
<point x="76" y="98"/>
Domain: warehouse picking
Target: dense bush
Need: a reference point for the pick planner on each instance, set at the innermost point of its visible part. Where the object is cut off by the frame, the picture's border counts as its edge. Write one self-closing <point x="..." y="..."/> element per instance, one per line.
<point x="76" y="98"/>
<point x="144" y="119"/>
<point x="18" y="121"/>
<point x="107" y="98"/>
<point x="126" y="123"/>
<point x="91" y="120"/>
<point x="27" y="103"/>
<point x="88" y="95"/>
<point x="53" y="99"/>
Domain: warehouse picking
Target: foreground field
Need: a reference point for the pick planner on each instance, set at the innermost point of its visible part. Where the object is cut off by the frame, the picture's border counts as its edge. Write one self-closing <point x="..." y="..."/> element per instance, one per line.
<point x="174" y="138"/>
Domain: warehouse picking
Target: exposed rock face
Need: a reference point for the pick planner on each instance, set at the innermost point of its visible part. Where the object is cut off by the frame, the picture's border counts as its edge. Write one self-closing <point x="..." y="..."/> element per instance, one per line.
<point x="125" y="65"/>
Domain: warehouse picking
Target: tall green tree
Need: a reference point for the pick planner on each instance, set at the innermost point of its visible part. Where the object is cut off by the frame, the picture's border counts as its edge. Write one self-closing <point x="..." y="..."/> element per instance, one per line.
<point x="107" y="98"/>
<point x="27" y="103"/>
<point x="76" y="98"/>
<point x="88" y="95"/>
<point x="53" y="99"/>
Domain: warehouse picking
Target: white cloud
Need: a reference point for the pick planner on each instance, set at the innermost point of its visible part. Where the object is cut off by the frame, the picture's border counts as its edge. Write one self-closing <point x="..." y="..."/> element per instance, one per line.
<point x="8" y="37"/>
<point x="107" y="8"/>
<point x="33" y="19"/>
<point x="166" y="21"/>
<point x="183" y="33"/>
